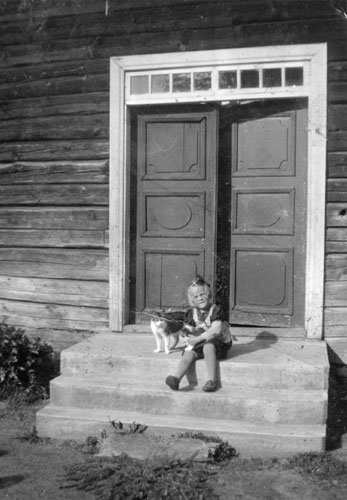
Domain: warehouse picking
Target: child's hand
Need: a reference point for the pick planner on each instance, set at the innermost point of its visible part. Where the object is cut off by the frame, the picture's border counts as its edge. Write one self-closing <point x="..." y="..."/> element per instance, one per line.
<point x="192" y="340"/>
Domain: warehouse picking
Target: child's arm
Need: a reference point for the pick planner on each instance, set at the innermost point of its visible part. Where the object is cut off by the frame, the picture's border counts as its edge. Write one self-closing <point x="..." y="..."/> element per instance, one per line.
<point x="213" y="331"/>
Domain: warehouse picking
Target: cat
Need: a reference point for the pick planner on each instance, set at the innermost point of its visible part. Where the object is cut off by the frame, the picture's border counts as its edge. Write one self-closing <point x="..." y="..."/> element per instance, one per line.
<point x="166" y="328"/>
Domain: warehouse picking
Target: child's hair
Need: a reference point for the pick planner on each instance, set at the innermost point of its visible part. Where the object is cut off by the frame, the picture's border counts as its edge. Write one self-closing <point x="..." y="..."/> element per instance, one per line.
<point x="199" y="281"/>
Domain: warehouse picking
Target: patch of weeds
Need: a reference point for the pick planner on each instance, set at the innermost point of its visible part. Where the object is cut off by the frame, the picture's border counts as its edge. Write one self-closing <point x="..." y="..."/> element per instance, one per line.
<point x="122" y="477"/>
<point x="133" y="428"/>
<point x="319" y="465"/>
<point x="224" y="451"/>
<point x="30" y="436"/>
<point x="91" y="445"/>
<point x="26" y="365"/>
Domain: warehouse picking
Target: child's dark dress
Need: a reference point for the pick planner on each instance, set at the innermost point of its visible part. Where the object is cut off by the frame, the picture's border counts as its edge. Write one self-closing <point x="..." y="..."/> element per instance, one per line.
<point x="203" y="320"/>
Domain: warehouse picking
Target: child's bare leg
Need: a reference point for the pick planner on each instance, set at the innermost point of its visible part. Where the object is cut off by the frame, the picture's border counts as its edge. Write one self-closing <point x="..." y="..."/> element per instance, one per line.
<point x="191" y="375"/>
<point x="211" y="367"/>
<point x="187" y="360"/>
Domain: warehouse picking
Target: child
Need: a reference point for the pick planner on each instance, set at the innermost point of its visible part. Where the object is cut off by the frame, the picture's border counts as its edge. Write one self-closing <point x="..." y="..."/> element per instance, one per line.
<point x="210" y="335"/>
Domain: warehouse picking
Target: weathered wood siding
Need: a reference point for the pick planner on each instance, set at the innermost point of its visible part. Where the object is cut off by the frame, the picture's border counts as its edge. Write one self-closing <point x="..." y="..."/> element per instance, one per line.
<point x="54" y="115"/>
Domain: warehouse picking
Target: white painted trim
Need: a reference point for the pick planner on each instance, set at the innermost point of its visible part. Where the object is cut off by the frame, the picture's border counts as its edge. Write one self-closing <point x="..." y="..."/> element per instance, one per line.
<point x="117" y="204"/>
<point x="315" y="55"/>
<point x="316" y="186"/>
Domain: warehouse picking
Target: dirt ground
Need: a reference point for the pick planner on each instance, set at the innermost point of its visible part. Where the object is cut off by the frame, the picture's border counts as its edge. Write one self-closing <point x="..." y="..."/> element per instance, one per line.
<point x="33" y="469"/>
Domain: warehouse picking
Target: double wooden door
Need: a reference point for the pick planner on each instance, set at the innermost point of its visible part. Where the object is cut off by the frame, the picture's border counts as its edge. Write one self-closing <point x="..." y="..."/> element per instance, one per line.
<point x="234" y="175"/>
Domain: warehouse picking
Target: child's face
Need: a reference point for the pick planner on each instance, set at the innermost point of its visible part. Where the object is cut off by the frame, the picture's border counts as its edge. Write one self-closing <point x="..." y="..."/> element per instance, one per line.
<point x="199" y="297"/>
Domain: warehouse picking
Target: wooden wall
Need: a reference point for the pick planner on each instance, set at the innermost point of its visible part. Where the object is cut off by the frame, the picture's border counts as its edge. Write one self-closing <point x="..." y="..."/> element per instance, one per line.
<point x="54" y="112"/>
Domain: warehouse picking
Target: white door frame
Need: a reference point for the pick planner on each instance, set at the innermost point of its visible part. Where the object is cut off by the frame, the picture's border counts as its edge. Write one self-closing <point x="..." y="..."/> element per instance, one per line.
<point x="314" y="57"/>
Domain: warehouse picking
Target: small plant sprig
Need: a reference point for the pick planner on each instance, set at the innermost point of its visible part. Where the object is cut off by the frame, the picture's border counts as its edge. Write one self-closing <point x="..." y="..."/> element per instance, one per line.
<point x="224" y="451"/>
<point x="133" y="428"/>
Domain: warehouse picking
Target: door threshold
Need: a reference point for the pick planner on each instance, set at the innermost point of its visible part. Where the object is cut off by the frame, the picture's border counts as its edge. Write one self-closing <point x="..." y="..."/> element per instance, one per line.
<point x="239" y="331"/>
<point x="137" y="328"/>
<point x="263" y="332"/>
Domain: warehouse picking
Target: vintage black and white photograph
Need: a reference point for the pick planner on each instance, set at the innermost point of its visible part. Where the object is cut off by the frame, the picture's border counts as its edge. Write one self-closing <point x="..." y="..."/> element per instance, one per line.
<point x="173" y="249"/>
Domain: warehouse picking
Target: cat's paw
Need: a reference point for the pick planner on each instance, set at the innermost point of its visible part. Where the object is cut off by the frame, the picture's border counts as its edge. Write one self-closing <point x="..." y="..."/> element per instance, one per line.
<point x="189" y="348"/>
<point x="167" y="351"/>
<point x="156" y="350"/>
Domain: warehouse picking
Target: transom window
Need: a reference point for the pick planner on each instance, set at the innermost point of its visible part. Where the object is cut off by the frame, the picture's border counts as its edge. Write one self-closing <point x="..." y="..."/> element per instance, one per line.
<point x="215" y="82"/>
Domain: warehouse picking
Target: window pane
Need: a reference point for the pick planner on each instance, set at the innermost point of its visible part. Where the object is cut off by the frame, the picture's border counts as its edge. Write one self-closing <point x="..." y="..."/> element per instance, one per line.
<point x="160" y="83"/>
<point x="202" y="81"/>
<point x="272" y="77"/>
<point x="181" y="82"/>
<point x="249" y="78"/>
<point x="294" y="76"/>
<point x="139" y="84"/>
<point x="227" y="79"/>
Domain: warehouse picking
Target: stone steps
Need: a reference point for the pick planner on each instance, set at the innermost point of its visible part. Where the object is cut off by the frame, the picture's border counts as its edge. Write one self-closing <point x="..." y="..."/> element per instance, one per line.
<point x="251" y="364"/>
<point x="251" y="405"/>
<point x="273" y="395"/>
<point x="250" y="439"/>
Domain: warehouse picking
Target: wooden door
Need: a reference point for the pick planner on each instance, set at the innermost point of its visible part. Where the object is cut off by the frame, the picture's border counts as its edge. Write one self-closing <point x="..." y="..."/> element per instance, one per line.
<point x="268" y="214"/>
<point x="176" y="200"/>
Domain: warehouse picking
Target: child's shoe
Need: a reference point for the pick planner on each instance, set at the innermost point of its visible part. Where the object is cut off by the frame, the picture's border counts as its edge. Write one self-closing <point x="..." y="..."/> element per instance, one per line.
<point x="210" y="386"/>
<point x="172" y="382"/>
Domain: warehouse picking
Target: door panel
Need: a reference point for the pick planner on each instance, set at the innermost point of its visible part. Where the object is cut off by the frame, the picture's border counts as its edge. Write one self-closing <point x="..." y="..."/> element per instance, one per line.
<point x="273" y="147"/>
<point x="175" y="150"/>
<point x="176" y="206"/>
<point x="268" y="207"/>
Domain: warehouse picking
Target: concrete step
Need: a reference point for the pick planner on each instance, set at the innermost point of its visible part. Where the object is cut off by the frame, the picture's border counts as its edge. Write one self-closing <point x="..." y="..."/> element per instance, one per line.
<point x="252" y="363"/>
<point x="249" y="439"/>
<point x="237" y="403"/>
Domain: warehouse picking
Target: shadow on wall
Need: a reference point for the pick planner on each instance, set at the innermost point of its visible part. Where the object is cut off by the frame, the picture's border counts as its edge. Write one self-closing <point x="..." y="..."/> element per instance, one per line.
<point x="337" y="409"/>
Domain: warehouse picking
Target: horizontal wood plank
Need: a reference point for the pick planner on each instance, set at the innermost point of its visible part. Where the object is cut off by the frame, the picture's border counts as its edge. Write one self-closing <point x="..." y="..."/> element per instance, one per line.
<point x="56" y="194"/>
<point x="337" y="51"/>
<point x="53" y="70"/>
<point x="55" y="86"/>
<point x="337" y="164"/>
<point x="60" y="317"/>
<point x="336" y="240"/>
<point x="95" y="172"/>
<point x="54" y="150"/>
<point x="13" y="9"/>
<point x="166" y="17"/>
<point x="337" y="117"/>
<point x="55" y="291"/>
<point x="53" y="238"/>
<point x="56" y="128"/>
<point x="336" y="294"/>
<point x="337" y="140"/>
<point x="249" y="35"/>
<point x="335" y="316"/>
<point x="336" y="267"/>
<point x="335" y="331"/>
<point x="337" y="190"/>
<point x="90" y="103"/>
<point x="337" y="71"/>
<point x="58" y="339"/>
<point x="82" y="264"/>
<point x="335" y="247"/>
<point x="337" y="92"/>
<point x="337" y="234"/>
<point x="54" y="217"/>
<point x="336" y="215"/>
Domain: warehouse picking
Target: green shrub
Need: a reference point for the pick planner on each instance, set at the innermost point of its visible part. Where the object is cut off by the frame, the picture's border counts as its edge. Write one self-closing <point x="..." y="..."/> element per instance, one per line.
<point x="25" y="365"/>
